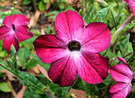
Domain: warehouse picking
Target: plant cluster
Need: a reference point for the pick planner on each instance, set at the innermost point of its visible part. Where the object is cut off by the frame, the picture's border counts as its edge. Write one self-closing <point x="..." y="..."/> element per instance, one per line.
<point x="88" y="49"/>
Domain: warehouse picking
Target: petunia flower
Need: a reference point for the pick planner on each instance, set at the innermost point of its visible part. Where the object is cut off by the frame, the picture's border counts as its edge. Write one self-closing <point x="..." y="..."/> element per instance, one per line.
<point x="131" y="4"/>
<point x="14" y="29"/>
<point x="74" y="49"/>
<point x="123" y="74"/>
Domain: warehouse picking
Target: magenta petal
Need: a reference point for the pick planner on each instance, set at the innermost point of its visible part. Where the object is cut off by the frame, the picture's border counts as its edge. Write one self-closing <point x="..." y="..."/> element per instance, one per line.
<point x="22" y="33"/>
<point x="122" y="60"/>
<point x="8" y="41"/>
<point x="63" y="71"/>
<point x="97" y="37"/>
<point x="126" y="0"/>
<point x="121" y="73"/>
<point x="49" y="48"/>
<point x="66" y="24"/>
<point x="4" y="31"/>
<point x="19" y="20"/>
<point x="7" y="21"/>
<point x="131" y="4"/>
<point x="92" y="68"/>
<point x="120" y="90"/>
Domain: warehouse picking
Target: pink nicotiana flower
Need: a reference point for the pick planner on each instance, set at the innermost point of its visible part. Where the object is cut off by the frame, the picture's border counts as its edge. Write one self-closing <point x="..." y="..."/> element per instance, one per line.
<point x="131" y="4"/>
<point x="14" y="29"/>
<point x="123" y="74"/>
<point x="126" y="0"/>
<point x="74" y="49"/>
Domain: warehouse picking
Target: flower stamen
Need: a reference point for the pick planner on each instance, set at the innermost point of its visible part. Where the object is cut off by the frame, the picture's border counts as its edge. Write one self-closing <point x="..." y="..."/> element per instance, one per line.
<point x="74" y="45"/>
<point x="13" y="27"/>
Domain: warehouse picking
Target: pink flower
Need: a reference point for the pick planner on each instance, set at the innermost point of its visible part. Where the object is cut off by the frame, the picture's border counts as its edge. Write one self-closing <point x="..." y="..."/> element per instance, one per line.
<point x="74" y="49"/>
<point x="131" y="4"/>
<point x="14" y="29"/>
<point x="123" y="74"/>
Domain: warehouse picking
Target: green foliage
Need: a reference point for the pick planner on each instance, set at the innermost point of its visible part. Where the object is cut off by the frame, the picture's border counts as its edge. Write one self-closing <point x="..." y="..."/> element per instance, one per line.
<point x="101" y="14"/>
<point x="23" y="54"/>
<point x="12" y="60"/>
<point x="28" y="94"/>
<point x="4" y="86"/>
<point x="111" y="12"/>
<point x="38" y="61"/>
<point x="41" y="6"/>
<point x="33" y="84"/>
<point x="27" y="2"/>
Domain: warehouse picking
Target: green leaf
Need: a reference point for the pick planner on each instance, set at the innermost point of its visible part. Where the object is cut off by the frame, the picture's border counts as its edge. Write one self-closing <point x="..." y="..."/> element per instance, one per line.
<point x="101" y="14"/>
<point x="46" y="1"/>
<point x="34" y="56"/>
<point x="2" y="54"/>
<point x="4" y="86"/>
<point x="12" y="51"/>
<point x="29" y="94"/>
<point x="60" y="92"/>
<point x="12" y="61"/>
<point x="110" y="54"/>
<point x="37" y="60"/>
<point x="30" y="81"/>
<point x="31" y="63"/>
<point x="107" y="79"/>
<point x="87" y="87"/>
<point x="27" y="2"/>
<point x="61" y="6"/>
<point x="52" y="13"/>
<point x="41" y="6"/>
<point x="124" y="43"/>
<point x="23" y="54"/>
<point x="78" y="84"/>
<point x="119" y="54"/>
<point x="3" y="63"/>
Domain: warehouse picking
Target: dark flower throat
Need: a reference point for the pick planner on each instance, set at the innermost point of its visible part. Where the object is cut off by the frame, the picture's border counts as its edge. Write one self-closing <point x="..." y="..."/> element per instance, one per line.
<point x="13" y="27"/>
<point x="74" y="45"/>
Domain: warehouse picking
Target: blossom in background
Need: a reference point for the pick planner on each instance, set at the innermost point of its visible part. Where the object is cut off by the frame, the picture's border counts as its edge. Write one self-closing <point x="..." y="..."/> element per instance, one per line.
<point x="131" y="4"/>
<point x="74" y="49"/>
<point x="14" y="29"/>
<point x="123" y="74"/>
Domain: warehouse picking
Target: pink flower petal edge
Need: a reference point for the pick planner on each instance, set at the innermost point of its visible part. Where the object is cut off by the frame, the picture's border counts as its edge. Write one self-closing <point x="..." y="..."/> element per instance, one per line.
<point x="89" y="70"/>
<point x="122" y="60"/>
<point x="8" y="41"/>
<point x="120" y="90"/>
<point x="63" y="71"/>
<point x="123" y="74"/>
<point x="131" y="4"/>
<point x="67" y="22"/>
<point x="99" y="38"/>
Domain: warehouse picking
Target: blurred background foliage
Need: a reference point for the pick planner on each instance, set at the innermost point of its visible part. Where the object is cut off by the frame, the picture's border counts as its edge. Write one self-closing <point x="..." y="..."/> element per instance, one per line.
<point x="42" y="14"/>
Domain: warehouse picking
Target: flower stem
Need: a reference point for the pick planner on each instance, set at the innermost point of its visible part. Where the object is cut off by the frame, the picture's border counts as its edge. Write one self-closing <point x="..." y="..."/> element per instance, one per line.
<point x="107" y="89"/>
<point x="131" y="58"/>
<point x="115" y="35"/>
<point x="11" y="71"/>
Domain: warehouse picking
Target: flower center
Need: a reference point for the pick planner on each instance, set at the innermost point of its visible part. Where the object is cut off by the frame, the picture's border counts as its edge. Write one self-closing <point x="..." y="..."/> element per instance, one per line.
<point x="74" y="45"/>
<point x="13" y="27"/>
